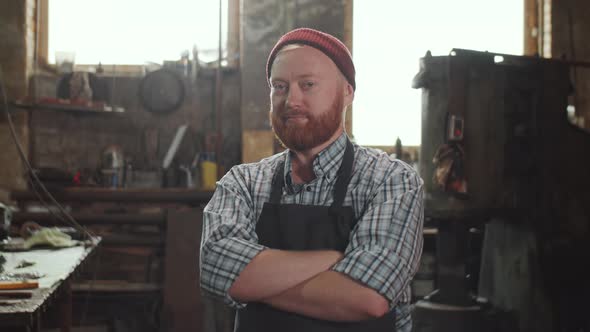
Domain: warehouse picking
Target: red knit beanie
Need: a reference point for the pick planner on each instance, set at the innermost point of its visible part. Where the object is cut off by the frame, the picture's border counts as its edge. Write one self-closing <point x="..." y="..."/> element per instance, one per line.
<point x="324" y="42"/>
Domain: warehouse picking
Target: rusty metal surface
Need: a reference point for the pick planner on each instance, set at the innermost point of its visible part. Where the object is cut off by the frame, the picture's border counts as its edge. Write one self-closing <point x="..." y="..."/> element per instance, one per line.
<point x="24" y="311"/>
<point x="527" y="170"/>
<point x="515" y="126"/>
<point x="25" y="306"/>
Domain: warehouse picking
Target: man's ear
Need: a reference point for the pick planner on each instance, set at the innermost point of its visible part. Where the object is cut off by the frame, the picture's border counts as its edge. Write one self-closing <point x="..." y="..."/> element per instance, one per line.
<point x="348" y="94"/>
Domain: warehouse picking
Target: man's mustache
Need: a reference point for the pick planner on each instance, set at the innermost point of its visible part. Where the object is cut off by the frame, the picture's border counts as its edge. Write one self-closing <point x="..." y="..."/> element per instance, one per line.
<point x="292" y="113"/>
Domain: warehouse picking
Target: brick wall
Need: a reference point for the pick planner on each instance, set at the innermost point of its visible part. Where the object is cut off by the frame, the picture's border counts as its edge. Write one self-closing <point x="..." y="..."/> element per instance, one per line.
<point x="72" y="141"/>
<point x="16" y="61"/>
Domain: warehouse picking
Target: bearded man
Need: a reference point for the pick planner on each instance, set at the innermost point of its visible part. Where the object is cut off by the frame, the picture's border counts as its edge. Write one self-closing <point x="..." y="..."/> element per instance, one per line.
<point x="327" y="235"/>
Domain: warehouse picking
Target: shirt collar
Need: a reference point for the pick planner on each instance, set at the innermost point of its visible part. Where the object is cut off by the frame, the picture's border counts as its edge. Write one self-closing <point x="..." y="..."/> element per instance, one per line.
<point x="326" y="163"/>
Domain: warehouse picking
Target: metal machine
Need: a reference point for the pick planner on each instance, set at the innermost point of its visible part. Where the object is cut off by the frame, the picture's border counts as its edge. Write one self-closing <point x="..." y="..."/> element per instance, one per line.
<point x="496" y="143"/>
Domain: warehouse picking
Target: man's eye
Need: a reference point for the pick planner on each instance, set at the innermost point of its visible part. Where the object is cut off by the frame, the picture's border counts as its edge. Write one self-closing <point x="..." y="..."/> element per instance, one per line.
<point x="279" y="86"/>
<point x="308" y="84"/>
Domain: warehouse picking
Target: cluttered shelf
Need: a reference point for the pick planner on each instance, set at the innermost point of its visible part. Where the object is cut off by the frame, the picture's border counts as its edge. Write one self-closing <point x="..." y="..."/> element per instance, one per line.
<point x="186" y="196"/>
<point x="57" y="104"/>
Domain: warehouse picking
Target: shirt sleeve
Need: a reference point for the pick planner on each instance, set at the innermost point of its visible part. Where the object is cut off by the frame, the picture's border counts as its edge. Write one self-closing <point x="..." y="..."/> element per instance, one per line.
<point x="386" y="244"/>
<point x="229" y="241"/>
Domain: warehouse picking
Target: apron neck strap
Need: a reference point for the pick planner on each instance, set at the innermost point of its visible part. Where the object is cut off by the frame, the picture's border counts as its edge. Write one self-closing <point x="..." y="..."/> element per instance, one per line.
<point x="343" y="175"/>
<point x="343" y="178"/>
<point x="278" y="180"/>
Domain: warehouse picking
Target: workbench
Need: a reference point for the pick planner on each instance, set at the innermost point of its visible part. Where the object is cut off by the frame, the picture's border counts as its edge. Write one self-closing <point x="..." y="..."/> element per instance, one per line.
<point x="150" y="250"/>
<point x="54" y="292"/>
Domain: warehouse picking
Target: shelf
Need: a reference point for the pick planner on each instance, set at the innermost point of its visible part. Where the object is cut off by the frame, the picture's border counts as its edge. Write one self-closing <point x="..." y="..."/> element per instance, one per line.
<point x="182" y="196"/>
<point x="92" y="108"/>
<point x="115" y="286"/>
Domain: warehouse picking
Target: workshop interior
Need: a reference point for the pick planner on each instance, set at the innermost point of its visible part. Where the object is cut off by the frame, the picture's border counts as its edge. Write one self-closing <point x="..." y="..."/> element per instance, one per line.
<point x="106" y="166"/>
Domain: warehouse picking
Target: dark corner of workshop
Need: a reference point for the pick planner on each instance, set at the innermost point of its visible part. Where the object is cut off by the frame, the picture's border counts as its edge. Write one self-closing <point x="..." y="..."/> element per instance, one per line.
<point x="119" y="119"/>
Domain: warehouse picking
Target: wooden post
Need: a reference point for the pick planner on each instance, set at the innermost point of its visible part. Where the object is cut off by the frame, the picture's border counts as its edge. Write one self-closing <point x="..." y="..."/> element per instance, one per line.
<point x="233" y="33"/>
<point x="532" y="30"/>
<point x="42" y="32"/>
<point x="348" y="14"/>
<point x="183" y="309"/>
<point x="218" y="101"/>
<point x="65" y="307"/>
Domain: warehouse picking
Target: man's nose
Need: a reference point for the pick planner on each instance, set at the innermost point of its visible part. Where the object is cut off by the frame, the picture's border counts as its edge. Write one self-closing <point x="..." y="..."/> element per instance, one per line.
<point x="294" y="97"/>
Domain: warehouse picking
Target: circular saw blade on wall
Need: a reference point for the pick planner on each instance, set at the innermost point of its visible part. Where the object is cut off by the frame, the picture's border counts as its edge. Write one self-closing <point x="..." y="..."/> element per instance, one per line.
<point x="161" y="91"/>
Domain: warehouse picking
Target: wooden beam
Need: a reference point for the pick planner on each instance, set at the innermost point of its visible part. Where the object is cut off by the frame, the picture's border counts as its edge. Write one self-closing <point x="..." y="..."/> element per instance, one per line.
<point x="42" y="31"/>
<point x="257" y="144"/>
<point x="532" y="31"/>
<point x="182" y="308"/>
<point x="348" y="25"/>
<point x="233" y="33"/>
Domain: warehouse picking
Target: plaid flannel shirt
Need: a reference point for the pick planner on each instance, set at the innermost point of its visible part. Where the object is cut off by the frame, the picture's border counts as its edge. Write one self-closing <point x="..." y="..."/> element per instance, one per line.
<point x="385" y="245"/>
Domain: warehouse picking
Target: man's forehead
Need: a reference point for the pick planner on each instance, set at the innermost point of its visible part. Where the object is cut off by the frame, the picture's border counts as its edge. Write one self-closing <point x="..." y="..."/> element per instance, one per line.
<point x="291" y="47"/>
<point x="304" y="55"/>
<point x="300" y="48"/>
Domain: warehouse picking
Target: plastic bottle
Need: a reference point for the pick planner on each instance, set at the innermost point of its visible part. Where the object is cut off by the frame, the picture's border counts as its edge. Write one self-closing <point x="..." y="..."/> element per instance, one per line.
<point x="208" y="172"/>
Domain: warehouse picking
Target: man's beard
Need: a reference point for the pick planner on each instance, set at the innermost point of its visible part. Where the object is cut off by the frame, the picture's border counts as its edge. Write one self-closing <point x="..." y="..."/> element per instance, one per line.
<point x="317" y="130"/>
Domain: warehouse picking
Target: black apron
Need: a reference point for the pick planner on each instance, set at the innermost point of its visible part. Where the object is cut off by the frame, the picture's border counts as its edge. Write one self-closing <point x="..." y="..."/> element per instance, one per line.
<point x="306" y="227"/>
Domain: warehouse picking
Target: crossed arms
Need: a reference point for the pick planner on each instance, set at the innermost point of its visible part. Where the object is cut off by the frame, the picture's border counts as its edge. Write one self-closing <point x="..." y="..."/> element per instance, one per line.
<point x="301" y="282"/>
<point x="364" y="282"/>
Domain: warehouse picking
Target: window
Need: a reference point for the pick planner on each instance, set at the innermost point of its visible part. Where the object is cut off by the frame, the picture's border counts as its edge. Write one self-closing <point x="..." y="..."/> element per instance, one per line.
<point x="389" y="37"/>
<point x="134" y="31"/>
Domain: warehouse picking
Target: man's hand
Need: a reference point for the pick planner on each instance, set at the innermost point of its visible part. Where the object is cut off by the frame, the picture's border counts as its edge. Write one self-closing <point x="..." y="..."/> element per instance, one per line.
<point x="331" y="296"/>
<point x="272" y="272"/>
